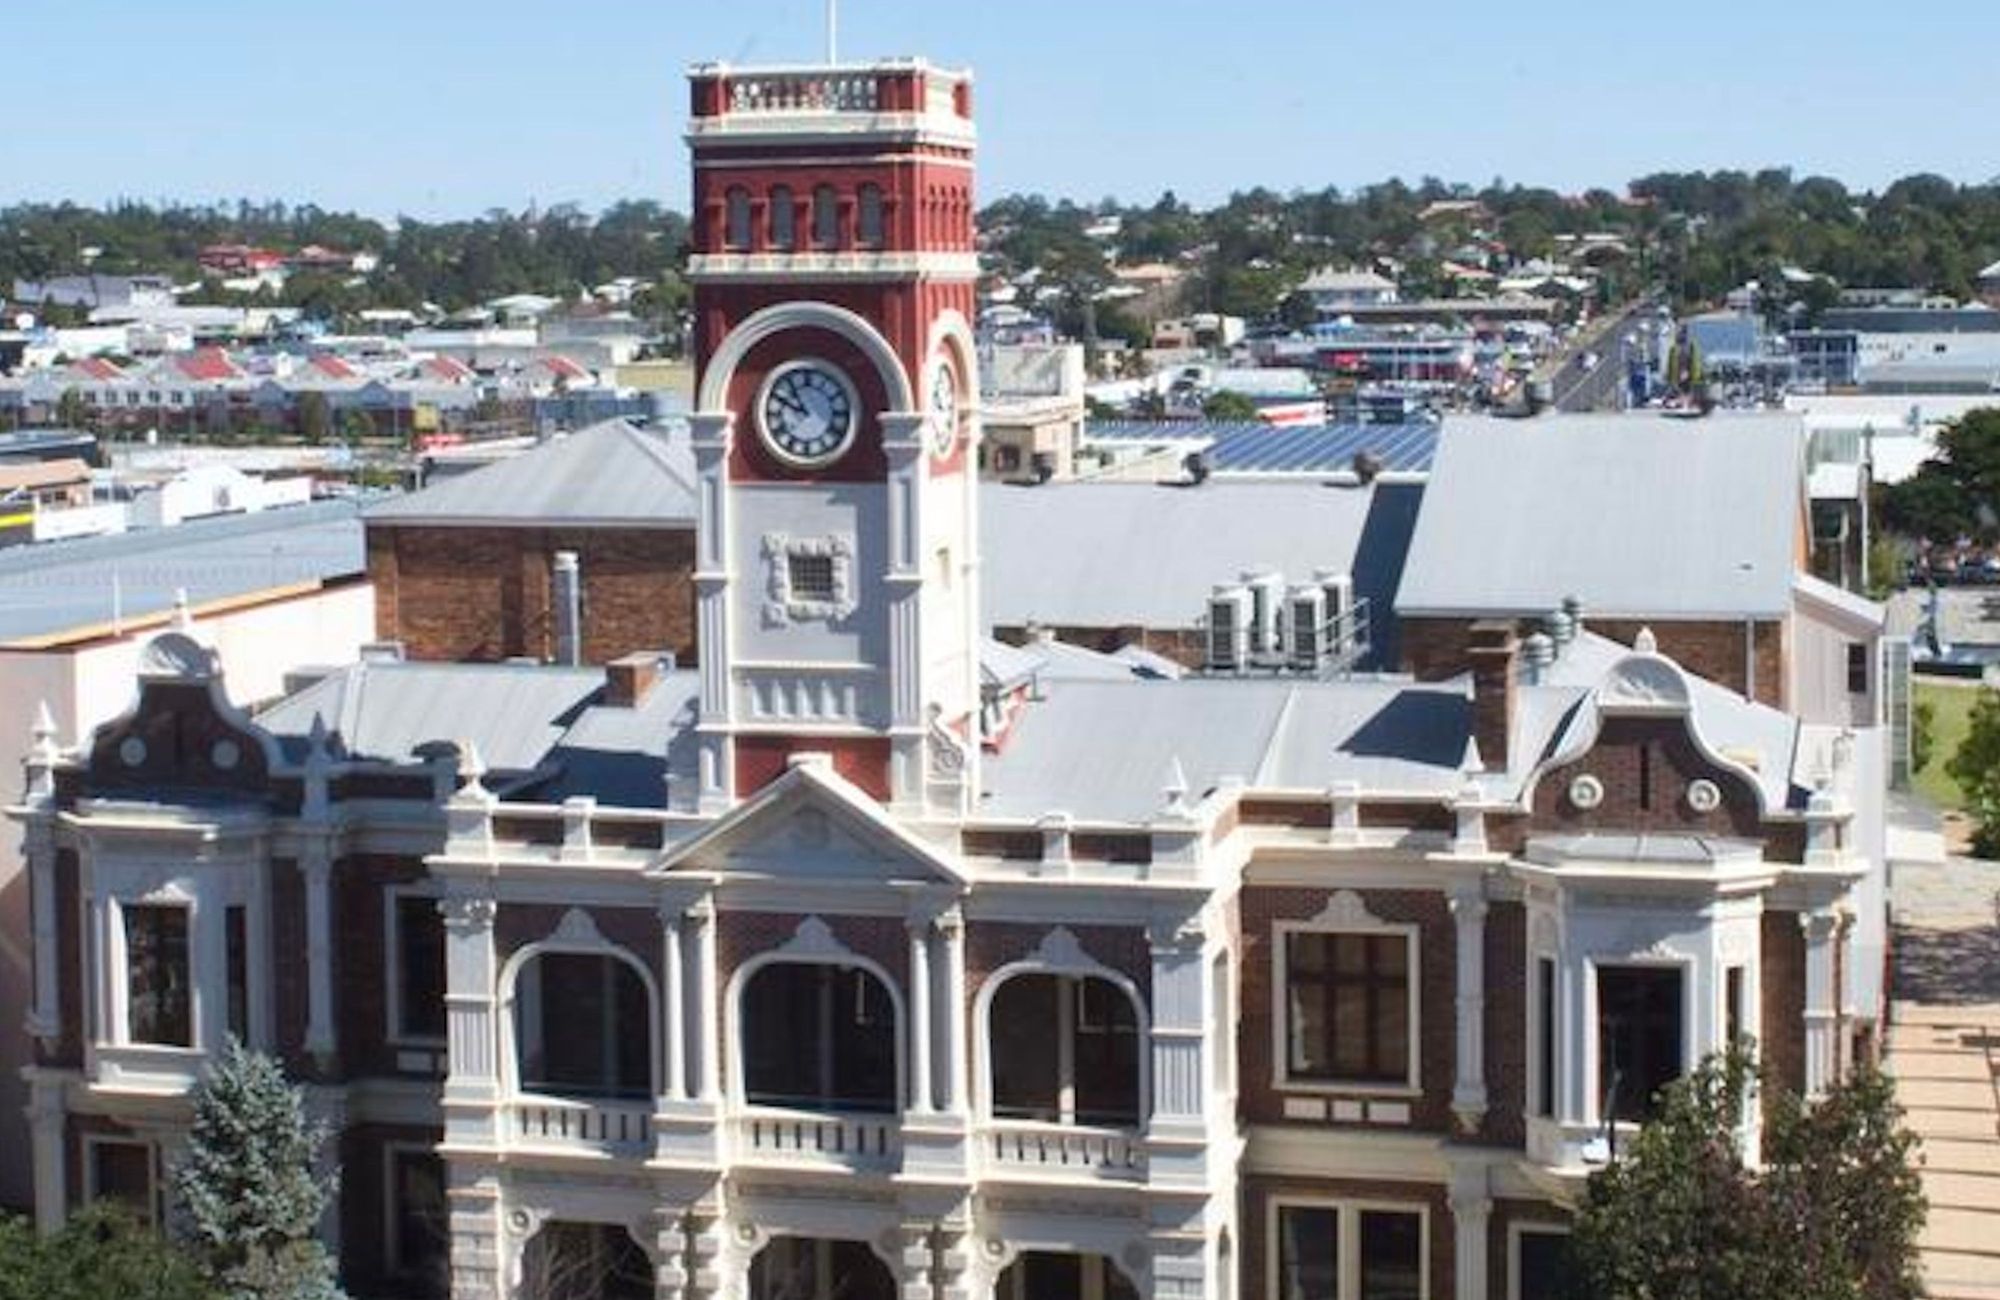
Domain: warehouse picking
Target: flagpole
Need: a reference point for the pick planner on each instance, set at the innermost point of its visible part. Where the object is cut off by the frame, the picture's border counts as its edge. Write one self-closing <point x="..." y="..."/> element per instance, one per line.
<point x="832" y="32"/>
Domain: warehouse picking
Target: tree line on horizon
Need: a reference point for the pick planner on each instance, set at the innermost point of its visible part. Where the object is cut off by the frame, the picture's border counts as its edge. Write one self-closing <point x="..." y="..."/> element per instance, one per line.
<point x="1697" y="234"/>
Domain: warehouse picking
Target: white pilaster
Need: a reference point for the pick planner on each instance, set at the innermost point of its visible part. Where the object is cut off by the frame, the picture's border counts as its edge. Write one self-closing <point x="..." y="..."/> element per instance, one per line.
<point x="472" y="1088"/>
<point x="1468" y="1093"/>
<point x="707" y="1044"/>
<point x="711" y="435"/>
<point x="1471" y="1206"/>
<point x="38" y="847"/>
<point x="476" y="1238"/>
<point x="957" y="1044"/>
<point x="46" y="1115"/>
<point x="316" y="867"/>
<point x="920" y="1015"/>
<point x="673" y="1057"/>
<point x="1822" y="929"/>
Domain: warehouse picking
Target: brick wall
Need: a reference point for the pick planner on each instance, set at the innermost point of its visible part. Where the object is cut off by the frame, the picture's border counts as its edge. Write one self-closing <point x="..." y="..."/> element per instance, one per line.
<point x="990" y="945"/>
<point x="360" y="959"/>
<point x="482" y="594"/>
<point x="1260" y="1099"/>
<point x="1782" y="954"/>
<point x="1437" y="648"/>
<point x="1505" y="1024"/>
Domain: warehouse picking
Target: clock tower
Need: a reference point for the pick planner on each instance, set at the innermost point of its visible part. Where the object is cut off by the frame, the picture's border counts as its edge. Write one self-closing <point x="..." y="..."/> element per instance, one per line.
<point x="834" y="428"/>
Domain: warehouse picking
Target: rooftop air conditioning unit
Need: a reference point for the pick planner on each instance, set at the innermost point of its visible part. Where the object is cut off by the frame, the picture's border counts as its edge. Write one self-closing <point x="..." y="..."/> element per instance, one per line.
<point x="1306" y="629"/>
<point x="1267" y="596"/>
<point x="1229" y="611"/>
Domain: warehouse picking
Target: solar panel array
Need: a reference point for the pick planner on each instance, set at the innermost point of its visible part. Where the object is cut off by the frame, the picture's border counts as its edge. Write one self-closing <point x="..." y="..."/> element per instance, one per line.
<point x="1253" y="447"/>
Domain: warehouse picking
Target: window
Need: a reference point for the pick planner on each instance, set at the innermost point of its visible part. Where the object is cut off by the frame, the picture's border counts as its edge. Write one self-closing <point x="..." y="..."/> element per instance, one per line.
<point x="1545" y="1037"/>
<point x="1638" y="1037"/>
<point x="869" y="217"/>
<point x="1540" y="1261"/>
<point x="1732" y="1004"/>
<point x="1857" y="668"/>
<point x="121" y="1171"/>
<point x="819" y="1036"/>
<point x="159" y="1005"/>
<point x="814" y="1268"/>
<point x="825" y="217"/>
<point x="1348" y="1007"/>
<point x="1646" y="776"/>
<point x="417" y="999"/>
<point x="812" y="577"/>
<point x="784" y="220"/>
<point x="1059" y="1275"/>
<point x="419" y="1230"/>
<point x="1349" y="1252"/>
<point x="583" y="1027"/>
<point x="237" y="942"/>
<point x="736" y="232"/>
<point x="1065" y="1050"/>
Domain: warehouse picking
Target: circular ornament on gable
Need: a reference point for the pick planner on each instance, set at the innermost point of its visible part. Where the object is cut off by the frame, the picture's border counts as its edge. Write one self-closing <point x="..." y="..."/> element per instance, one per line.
<point x="225" y="754"/>
<point x="131" y="751"/>
<point x="1586" y="792"/>
<point x="1704" y="796"/>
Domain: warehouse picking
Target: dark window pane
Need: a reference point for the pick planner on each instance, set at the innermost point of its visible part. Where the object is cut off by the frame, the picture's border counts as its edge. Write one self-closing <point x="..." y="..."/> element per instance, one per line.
<point x="421" y="1236"/>
<point x="1308" y="1253"/>
<point x="237" y="943"/>
<point x="1392" y="1264"/>
<point x="737" y="234"/>
<point x="819" y="1036"/>
<point x="1544" y="1265"/>
<point x="1545" y="1028"/>
<point x="1023" y="1017"/>
<point x="1349" y="1006"/>
<point x="1639" y="1037"/>
<point x="826" y="217"/>
<point x="420" y="966"/>
<point x="869" y="217"/>
<point x="595" y="1031"/>
<point x="1106" y="1054"/>
<point x="784" y="219"/>
<point x="123" y="1172"/>
<point x="156" y="952"/>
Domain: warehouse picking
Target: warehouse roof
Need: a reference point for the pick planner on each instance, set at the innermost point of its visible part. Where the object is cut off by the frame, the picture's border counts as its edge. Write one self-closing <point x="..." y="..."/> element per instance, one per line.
<point x="613" y="473"/>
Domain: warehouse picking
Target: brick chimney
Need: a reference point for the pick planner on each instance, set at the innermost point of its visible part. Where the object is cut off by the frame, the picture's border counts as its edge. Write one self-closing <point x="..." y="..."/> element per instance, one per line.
<point x="628" y="679"/>
<point x="1492" y="651"/>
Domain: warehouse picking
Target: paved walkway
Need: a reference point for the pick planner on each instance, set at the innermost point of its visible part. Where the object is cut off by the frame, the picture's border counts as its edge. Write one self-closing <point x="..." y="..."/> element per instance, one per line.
<point x="1944" y="1050"/>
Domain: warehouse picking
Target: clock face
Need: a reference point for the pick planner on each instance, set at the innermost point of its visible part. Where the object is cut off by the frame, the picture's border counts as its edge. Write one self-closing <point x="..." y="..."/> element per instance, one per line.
<point x="943" y="409"/>
<point x="808" y="413"/>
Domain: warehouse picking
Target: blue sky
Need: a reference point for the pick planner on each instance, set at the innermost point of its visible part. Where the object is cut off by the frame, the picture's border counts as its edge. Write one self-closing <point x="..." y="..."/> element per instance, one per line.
<point x="449" y="107"/>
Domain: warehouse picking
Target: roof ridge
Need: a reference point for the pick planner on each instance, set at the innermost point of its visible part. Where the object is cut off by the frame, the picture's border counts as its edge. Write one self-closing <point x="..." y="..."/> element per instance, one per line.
<point x="1279" y="725"/>
<point x="655" y="448"/>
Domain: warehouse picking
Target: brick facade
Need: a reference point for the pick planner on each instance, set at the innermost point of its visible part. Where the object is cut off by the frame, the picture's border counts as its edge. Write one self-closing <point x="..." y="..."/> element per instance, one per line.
<point x="483" y="594"/>
<point x="1437" y="648"/>
<point x="1782" y="962"/>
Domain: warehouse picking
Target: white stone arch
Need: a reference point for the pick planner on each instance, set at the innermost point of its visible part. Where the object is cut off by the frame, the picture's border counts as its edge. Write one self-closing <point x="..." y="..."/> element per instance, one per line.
<point x="761" y="325"/>
<point x="812" y="944"/>
<point x="577" y="935"/>
<point x="1059" y="953"/>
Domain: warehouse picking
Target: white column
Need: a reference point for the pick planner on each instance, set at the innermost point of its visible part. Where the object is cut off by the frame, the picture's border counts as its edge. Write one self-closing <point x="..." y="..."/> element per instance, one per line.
<point x="1179" y="1016"/>
<point x="45" y="1122"/>
<point x="707" y="1045"/>
<point x="476" y="1238"/>
<point x="38" y="846"/>
<point x="1471" y="1207"/>
<point x="1822" y="1005"/>
<point x="472" y="1088"/>
<point x="316" y="867"/>
<point x="920" y="1016"/>
<point x="957" y="1043"/>
<point x="673" y="1029"/>
<point x="1468" y="1093"/>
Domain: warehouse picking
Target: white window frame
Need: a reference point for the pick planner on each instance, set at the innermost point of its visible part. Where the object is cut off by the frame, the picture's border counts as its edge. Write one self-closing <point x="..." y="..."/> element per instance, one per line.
<point x="392" y="1001"/>
<point x="1347" y="1249"/>
<point x="91" y="1191"/>
<point x="1281" y="1055"/>
<point x="118" y="970"/>
<point x="1517" y="1230"/>
<point x="392" y="1245"/>
<point x="1593" y="1043"/>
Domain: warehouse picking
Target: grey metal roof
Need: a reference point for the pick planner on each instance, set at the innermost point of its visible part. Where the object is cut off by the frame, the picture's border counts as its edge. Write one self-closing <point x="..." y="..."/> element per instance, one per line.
<point x="1254" y="447"/>
<point x="611" y="473"/>
<point x="53" y="588"/>
<point x="1636" y="515"/>
<point x="1104" y="751"/>
<point x="1102" y="555"/>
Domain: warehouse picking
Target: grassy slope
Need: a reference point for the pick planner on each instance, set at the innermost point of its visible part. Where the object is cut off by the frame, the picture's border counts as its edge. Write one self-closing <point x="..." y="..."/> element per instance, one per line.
<point x="1954" y="707"/>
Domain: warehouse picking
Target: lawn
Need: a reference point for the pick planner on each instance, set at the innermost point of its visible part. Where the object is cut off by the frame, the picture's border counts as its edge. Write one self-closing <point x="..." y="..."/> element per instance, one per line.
<point x="1954" y="707"/>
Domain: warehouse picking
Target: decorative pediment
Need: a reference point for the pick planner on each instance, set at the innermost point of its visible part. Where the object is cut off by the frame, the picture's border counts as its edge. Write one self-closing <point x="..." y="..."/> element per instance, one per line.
<point x="1642" y="683"/>
<point x="812" y="825"/>
<point x="1346" y="910"/>
<point x="183" y="732"/>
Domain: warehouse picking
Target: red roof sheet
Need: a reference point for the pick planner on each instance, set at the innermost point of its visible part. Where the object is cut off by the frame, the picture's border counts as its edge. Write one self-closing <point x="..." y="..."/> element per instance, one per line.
<point x="449" y="369"/>
<point x="334" y="368"/>
<point x="207" y="365"/>
<point x="98" y="368"/>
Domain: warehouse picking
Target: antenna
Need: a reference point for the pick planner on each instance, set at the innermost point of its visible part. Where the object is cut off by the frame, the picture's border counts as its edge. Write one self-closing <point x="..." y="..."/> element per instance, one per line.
<point x="832" y="32"/>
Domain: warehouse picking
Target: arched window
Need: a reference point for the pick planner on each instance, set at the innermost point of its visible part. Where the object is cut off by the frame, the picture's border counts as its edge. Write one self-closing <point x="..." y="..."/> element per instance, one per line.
<point x="868" y="217"/>
<point x="582" y="1027"/>
<point x="818" y="1036"/>
<point x="784" y="220"/>
<point x="814" y="1268"/>
<point x="826" y="217"/>
<point x="1065" y="1050"/>
<point x="736" y="234"/>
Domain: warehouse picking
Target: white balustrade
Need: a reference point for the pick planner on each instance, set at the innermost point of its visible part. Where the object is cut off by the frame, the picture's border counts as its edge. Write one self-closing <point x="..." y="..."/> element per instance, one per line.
<point x="617" y="1128"/>
<point x="817" y="1137"/>
<point x="1019" y="1146"/>
<point x="791" y="92"/>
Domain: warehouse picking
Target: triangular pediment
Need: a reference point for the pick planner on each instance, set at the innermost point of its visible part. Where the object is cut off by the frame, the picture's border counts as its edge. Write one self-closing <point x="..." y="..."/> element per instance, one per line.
<point x="812" y="825"/>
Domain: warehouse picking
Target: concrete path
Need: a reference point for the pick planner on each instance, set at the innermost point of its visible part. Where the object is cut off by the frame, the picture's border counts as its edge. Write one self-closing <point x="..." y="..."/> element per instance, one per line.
<point x="1944" y="1051"/>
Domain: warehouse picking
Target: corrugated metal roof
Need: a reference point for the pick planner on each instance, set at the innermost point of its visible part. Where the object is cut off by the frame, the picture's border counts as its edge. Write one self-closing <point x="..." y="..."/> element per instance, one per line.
<point x="57" y="587"/>
<point x="1637" y="515"/>
<point x="1253" y="447"/>
<point x="1103" y="554"/>
<point x="610" y="473"/>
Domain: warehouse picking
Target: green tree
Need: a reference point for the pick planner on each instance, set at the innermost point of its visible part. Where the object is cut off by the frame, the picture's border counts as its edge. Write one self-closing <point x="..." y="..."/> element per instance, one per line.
<point x="1228" y="406"/>
<point x="100" y="1252"/>
<point x="1976" y="769"/>
<point x="356" y="425"/>
<point x="315" y="417"/>
<point x="1923" y="733"/>
<point x="250" y="1199"/>
<point x="72" y="412"/>
<point x="1832" y="1214"/>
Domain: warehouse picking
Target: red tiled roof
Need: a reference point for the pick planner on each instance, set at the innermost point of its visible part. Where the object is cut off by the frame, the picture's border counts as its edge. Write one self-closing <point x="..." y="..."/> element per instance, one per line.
<point x="98" y="368"/>
<point x="207" y="365"/>
<point x="563" y="367"/>
<point x="449" y="369"/>
<point x="334" y="368"/>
